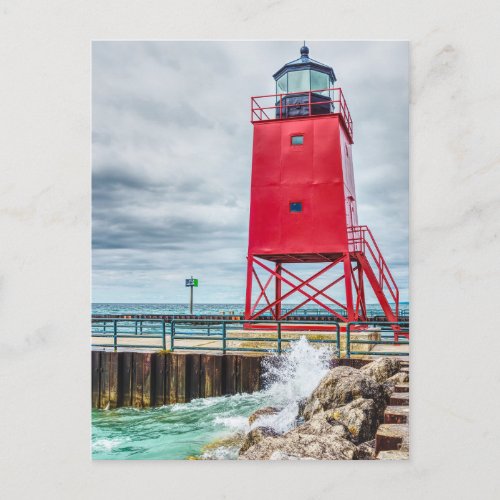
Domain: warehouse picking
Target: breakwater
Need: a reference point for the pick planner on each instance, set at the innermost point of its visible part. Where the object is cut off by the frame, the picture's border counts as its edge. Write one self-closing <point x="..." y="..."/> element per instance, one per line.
<point x="145" y="379"/>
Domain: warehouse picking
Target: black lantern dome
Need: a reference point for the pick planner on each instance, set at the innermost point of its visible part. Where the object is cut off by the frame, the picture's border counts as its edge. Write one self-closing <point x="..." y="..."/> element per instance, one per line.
<point x="304" y="75"/>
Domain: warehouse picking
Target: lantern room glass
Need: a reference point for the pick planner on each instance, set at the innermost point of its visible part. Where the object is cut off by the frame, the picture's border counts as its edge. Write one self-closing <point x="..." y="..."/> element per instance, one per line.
<point x="320" y="81"/>
<point x="304" y="81"/>
<point x="282" y="85"/>
<point x="299" y="81"/>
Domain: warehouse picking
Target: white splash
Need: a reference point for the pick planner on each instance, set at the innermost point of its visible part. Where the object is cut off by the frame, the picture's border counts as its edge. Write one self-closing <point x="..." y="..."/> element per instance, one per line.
<point x="235" y="424"/>
<point x="106" y="444"/>
<point x="290" y="378"/>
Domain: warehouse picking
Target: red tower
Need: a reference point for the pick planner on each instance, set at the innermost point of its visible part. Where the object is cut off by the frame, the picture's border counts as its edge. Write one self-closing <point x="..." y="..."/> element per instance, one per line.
<point x="303" y="203"/>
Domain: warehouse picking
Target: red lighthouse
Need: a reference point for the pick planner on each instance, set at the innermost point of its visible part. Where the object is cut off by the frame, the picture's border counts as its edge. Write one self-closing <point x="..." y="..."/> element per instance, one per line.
<point x="303" y="204"/>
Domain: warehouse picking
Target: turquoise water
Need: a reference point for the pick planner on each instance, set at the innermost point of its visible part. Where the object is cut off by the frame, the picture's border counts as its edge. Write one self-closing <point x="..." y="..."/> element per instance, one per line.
<point x="180" y="431"/>
<point x="171" y="432"/>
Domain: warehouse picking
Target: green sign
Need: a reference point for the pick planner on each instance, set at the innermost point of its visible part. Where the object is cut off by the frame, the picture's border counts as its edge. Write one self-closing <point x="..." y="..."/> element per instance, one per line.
<point x="192" y="282"/>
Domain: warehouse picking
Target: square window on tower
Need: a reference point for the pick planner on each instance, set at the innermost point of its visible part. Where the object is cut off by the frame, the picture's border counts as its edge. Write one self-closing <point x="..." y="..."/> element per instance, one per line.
<point x="295" y="206"/>
<point x="297" y="140"/>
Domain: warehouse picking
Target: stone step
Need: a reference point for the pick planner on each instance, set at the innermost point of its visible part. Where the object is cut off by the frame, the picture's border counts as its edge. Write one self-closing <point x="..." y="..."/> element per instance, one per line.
<point x="390" y="437"/>
<point x="396" y="415"/>
<point x="402" y="388"/>
<point x="393" y="455"/>
<point x="405" y="369"/>
<point x="399" y="399"/>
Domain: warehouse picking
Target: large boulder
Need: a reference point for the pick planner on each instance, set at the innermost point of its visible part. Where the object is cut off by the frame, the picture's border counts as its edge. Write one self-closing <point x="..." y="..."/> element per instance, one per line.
<point x="302" y="447"/>
<point x="320" y="425"/>
<point x="315" y="439"/>
<point x="255" y="436"/>
<point x="268" y="410"/>
<point x="382" y="369"/>
<point x="399" y="378"/>
<point x="391" y="382"/>
<point x="339" y="387"/>
<point x="360" y="417"/>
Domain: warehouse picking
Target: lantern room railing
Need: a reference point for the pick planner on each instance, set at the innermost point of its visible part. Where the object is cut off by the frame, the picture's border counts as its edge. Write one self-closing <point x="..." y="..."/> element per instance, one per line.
<point x="276" y="106"/>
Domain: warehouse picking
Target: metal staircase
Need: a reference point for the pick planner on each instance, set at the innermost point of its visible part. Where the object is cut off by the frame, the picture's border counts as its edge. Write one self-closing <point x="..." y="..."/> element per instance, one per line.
<point x="364" y="249"/>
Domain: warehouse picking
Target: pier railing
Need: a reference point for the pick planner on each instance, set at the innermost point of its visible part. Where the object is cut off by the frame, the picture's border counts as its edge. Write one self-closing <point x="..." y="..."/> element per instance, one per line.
<point x="390" y="331"/>
<point x="205" y="335"/>
<point x="114" y="329"/>
<point x="232" y="336"/>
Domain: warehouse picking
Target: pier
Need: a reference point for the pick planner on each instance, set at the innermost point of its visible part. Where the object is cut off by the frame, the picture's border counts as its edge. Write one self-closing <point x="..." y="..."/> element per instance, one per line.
<point x="147" y="362"/>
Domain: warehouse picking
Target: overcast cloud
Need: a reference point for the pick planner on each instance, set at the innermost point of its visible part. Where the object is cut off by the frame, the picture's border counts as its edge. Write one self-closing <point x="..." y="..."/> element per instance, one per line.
<point x="172" y="145"/>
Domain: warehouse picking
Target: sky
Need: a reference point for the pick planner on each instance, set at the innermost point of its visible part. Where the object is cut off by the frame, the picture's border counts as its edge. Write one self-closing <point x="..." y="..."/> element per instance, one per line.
<point x="171" y="159"/>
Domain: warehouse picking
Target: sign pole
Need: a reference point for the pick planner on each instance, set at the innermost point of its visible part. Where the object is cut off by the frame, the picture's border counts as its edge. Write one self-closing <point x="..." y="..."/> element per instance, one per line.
<point x="191" y="298"/>
<point x="191" y="283"/>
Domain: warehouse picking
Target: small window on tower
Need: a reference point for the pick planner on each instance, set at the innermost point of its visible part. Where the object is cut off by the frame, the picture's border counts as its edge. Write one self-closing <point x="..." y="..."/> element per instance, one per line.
<point x="295" y="206"/>
<point x="297" y="140"/>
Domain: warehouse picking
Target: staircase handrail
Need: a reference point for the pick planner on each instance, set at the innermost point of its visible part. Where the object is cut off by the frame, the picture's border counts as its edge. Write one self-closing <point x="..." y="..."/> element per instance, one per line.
<point x="382" y="266"/>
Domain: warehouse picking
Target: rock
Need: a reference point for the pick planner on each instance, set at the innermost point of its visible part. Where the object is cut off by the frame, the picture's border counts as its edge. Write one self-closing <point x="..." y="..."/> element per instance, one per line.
<point x="390" y="384"/>
<point x="366" y="451"/>
<point x="340" y="386"/>
<point x="298" y="446"/>
<point x="279" y="455"/>
<point x="320" y="425"/>
<point x="382" y="369"/>
<point x="255" y="436"/>
<point x="360" y="417"/>
<point x="315" y="439"/>
<point x="393" y="455"/>
<point x="268" y="410"/>
<point x="399" y="378"/>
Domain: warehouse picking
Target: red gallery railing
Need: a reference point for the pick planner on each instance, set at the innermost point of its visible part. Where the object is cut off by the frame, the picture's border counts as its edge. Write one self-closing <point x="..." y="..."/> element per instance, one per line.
<point x="263" y="107"/>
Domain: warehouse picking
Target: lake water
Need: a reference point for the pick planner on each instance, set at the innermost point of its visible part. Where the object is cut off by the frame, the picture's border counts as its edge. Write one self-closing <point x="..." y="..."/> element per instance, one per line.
<point x="115" y="308"/>
<point x="184" y="430"/>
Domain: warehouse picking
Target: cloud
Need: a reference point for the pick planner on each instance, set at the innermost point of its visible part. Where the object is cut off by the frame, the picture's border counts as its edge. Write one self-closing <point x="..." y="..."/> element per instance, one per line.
<point x="171" y="158"/>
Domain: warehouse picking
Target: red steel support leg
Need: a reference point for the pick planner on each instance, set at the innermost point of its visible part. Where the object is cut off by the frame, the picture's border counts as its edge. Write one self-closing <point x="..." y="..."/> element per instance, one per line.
<point x="358" y="296"/>
<point x="278" y="291"/>
<point x="248" y="299"/>
<point x="362" y="293"/>
<point x="348" y="287"/>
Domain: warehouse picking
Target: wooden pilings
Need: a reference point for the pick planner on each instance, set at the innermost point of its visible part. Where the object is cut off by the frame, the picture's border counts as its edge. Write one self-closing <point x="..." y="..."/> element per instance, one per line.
<point x="142" y="380"/>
